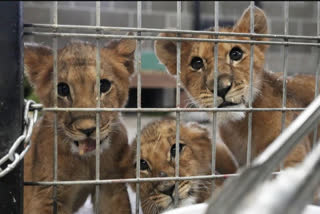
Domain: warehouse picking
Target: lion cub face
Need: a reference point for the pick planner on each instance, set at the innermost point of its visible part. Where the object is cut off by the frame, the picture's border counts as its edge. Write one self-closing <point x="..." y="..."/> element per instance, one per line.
<point x="77" y="87"/>
<point x="197" y="65"/>
<point x="158" y="160"/>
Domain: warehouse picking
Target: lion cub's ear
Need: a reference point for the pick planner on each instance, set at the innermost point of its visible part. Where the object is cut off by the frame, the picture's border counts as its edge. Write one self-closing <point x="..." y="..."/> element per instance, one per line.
<point x="38" y="61"/>
<point x="124" y="48"/>
<point x="260" y="24"/>
<point x="166" y="51"/>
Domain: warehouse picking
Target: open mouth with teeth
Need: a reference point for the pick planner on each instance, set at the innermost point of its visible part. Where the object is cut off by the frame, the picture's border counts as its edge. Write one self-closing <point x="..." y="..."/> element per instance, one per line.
<point x="226" y="103"/>
<point x="86" y="145"/>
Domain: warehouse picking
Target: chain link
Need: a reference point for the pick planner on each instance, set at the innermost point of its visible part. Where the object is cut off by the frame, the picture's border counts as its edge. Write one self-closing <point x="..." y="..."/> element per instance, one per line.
<point x="30" y="117"/>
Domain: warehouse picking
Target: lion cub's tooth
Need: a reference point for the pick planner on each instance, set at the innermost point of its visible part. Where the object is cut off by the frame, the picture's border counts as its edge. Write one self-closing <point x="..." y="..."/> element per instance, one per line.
<point x="82" y="147"/>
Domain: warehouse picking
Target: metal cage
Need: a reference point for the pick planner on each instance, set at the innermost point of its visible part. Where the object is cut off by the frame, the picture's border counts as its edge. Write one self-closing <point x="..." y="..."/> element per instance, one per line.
<point x="99" y="32"/>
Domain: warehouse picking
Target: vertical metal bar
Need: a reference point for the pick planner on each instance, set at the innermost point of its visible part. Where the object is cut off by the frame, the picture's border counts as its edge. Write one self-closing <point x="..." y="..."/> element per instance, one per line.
<point x="137" y="68"/>
<point x="215" y="94"/>
<point x="98" y="99"/>
<point x="250" y="91"/>
<point x="55" y="82"/>
<point x="285" y="63"/>
<point x="285" y="72"/>
<point x="178" y="83"/>
<point x="11" y="101"/>
<point x="316" y="91"/>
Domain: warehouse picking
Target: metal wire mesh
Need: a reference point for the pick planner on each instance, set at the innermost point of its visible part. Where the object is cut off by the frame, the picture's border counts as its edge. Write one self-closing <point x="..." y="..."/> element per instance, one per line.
<point x="98" y="33"/>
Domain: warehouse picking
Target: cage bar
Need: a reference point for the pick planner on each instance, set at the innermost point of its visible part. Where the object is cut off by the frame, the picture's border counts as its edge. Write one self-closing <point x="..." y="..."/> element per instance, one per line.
<point x="156" y="30"/>
<point x="138" y="68"/>
<point x="266" y="162"/>
<point x="215" y="94"/>
<point x="285" y="69"/>
<point x="11" y="102"/>
<point x="168" y="109"/>
<point x="134" y="180"/>
<point x="55" y="123"/>
<point x="315" y="132"/>
<point x="114" y="36"/>
<point x="130" y="180"/>
<point x="98" y="99"/>
<point x="306" y="189"/>
<point x="285" y="64"/>
<point x="250" y="83"/>
<point x="178" y="85"/>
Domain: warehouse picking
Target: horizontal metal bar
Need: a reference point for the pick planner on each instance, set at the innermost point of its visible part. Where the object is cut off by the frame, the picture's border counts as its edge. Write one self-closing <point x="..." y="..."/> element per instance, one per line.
<point x="132" y="29"/>
<point x="133" y="180"/>
<point x="129" y="180"/>
<point x="52" y="109"/>
<point x="170" y="38"/>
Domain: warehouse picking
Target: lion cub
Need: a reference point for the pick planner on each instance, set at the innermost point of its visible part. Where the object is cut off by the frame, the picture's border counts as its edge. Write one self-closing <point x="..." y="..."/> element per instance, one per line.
<point x="158" y="160"/>
<point x="76" y="132"/>
<point x="197" y="76"/>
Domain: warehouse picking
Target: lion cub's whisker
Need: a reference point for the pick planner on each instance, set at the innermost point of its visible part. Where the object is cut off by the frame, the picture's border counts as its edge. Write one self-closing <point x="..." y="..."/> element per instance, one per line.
<point x="76" y="130"/>
<point x="158" y="151"/>
<point x="233" y="87"/>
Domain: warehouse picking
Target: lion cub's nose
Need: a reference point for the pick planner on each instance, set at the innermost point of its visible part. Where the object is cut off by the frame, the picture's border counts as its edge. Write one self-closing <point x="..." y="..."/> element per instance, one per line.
<point x="224" y="85"/>
<point x="88" y="132"/>
<point x="223" y="91"/>
<point x="168" y="191"/>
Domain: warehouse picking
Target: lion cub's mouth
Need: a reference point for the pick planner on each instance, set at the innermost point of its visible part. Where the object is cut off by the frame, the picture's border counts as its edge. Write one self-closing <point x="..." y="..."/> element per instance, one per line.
<point x="86" y="145"/>
<point x="226" y="103"/>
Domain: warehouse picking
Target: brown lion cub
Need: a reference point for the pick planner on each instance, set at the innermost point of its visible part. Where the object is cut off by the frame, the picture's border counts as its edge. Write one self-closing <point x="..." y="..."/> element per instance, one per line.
<point x="197" y="75"/>
<point x="158" y="160"/>
<point x="77" y="130"/>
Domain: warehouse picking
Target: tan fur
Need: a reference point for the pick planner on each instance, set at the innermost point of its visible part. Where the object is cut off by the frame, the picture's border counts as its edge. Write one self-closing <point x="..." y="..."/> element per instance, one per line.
<point x="76" y="67"/>
<point x="267" y="87"/>
<point x="302" y="86"/>
<point x="157" y="139"/>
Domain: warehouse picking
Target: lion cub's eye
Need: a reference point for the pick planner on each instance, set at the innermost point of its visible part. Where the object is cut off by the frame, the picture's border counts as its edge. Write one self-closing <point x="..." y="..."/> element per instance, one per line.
<point x="63" y="89"/>
<point x="105" y="85"/>
<point x="173" y="149"/>
<point x="143" y="165"/>
<point x="236" y="54"/>
<point x="196" y="63"/>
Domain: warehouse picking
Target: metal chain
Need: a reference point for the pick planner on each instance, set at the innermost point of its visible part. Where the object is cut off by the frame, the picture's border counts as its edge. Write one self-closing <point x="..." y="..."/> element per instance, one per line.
<point x="30" y="117"/>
